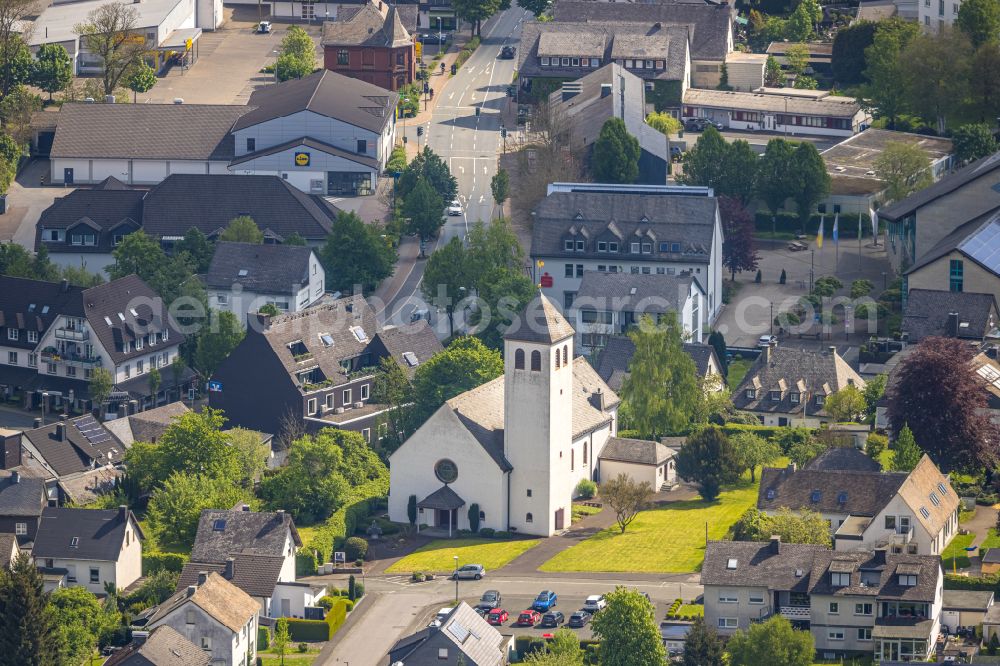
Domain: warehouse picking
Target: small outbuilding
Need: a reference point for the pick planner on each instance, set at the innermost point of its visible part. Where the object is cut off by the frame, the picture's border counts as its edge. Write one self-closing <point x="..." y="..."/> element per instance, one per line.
<point x="640" y="459"/>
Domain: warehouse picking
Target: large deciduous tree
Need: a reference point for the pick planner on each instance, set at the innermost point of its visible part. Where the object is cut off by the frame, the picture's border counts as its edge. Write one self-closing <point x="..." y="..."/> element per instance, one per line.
<point x="847" y="404"/>
<point x="709" y="460"/>
<point x="935" y="70"/>
<point x="111" y="33"/>
<point x="904" y="167"/>
<point x="475" y="12"/>
<point x="812" y="182"/>
<point x="750" y="451"/>
<point x="985" y="85"/>
<point x="297" y="55"/>
<point x="942" y="400"/>
<point x="771" y="643"/>
<point x="53" y="69"/>
<point x="536" y="7"/>
<point x="628" y="631"/>
<point x="626" y="497"/>
<point x="848" y="58"/>
<point x="979" y="20"/>
<point x="704" y="163"/>
<point x="141" y="79"/>
<point x="423" y="207"/>
<point x="974" y="141"/>
<point x="775" y="183"/>
<point x="175" y="508"/>
<point x="739" y="252"/>
<point x="615" y="157"/>
<point x="356" y="253"/>
<point x="428" y="165"/>
<point x="792" y="526"/>
<point x="12" y="47"/>
<point x="885" y="91"/>
<point x="391" y="387"/>
<point x="216" y="341"/>
<point x="463" y="365"/>
<point x="242" y="229"/>
<point x="702" y="645"/>
<point x="447" y="278"/>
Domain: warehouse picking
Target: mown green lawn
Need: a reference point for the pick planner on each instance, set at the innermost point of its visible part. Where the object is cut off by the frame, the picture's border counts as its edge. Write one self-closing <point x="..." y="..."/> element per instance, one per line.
<point x="667" y="539"/>
<point x="439" y="556"/>
<point x="956" y="550"/>
<point x="737" y="370"/>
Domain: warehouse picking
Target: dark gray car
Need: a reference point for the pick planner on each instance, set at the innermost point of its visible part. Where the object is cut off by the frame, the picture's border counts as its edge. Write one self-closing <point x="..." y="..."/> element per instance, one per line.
<point x="491" y="599"/>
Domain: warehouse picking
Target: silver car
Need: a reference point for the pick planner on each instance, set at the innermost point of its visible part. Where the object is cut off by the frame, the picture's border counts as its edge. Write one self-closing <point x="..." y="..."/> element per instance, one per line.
<point x="469" y="572"/>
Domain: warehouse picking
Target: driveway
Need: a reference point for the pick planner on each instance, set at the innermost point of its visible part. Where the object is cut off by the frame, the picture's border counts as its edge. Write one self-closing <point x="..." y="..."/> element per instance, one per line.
<point x="25" y="203"/>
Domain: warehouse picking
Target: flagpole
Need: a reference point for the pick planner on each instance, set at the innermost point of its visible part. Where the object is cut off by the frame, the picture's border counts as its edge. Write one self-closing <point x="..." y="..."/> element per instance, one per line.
<point x="836" y="242"/>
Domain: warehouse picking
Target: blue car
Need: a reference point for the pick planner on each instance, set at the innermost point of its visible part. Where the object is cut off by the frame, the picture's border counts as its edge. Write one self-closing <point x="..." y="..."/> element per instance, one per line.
<point x="545" y="600"/>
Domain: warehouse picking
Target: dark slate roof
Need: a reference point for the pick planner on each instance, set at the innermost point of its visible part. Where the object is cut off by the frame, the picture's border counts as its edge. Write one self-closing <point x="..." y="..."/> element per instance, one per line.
<point x="326" y="93"/>
<point x="367" y="26"/>
<point x="308" y="142"/>
<point x="776" y="566"/>
<point x="254" y="574"/>
<point x="968" y="600"/>
<point x="464" y="635"/>
<point x="927" y="314"/>
<point x="164" y="646"/>
<point x="624" y="217"/>
<point x="33" y="305"/>
<point x="614" y="359"/>
<point x="408" y="343"/>
<point x="100" y="533"/>
<point x="134" y="310"/>
<point x="85" y="444"/>
<point x="210" y="202"/>
<point x="710" y="24"/>
<point x="146" y="131"/>
<point x="539" y="321"/>
<point x="638" y="451"/>
<point x="879" y="570"/>
<point x="653" y="293"/>
<point x="443" y="498"/>
<point x="101" y="209"/>
<point x="260" y="533"/>
<point x="111" y="183"/>
<point x="271" y="268"/>
<point x="845" y="459"/>
<point x="950" y="183"/>
<point x="864" y="493"/>
<point x="23" y="496"/>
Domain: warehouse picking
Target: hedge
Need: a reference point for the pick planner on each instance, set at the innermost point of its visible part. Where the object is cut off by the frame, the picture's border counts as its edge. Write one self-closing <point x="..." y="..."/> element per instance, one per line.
<point x="762" y="430"/>
<point x="305" y="563"/>
<point x="986" y="583"/>
<point x="346" y="519"/>
<point x="319" y="630"/>
<point x="789" y="223"/>
<point x="153" y="561"/>
<point x="263" y="639"/>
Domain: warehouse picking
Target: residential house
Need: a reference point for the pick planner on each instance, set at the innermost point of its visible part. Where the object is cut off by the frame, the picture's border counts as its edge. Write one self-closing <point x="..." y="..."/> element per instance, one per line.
<point x="89" y="547"/>
<point x="861" y="603"/>
<point x="244" y="277"/>
<point x="164" y="646"/>
<point x="933" y="16"/>
<point x="918" y="223"/>
<point x="635" y="229"/>
<point x="855" y="187"/>
<point x="612" y="92"/>
<point x="641" y="460"/>
<point x="370" y="44"/>
<point x="9" y="550"/>
<point x="318" y="366"/>
<point x="954" y="314"/>
<point x="965" y="609"/>
<point x="609" y="304"/>
<point x="83" y="228"/>
<point x="788" y="386"/>
<point x="616" y="356"/>
<point x="915" y="512"/>
<point x="21" y="502"/>
<point x="147" y="426"/>
<point x="792" y="111"/>
<point x="326" y="134"/>
<point x="464" y="637"/>
<point x="215" y="615"/>
<point x="819" y="62"/>
<point x="57" y="335"/>
<point x="709" y="26"/>
<point x="962" y="261"/>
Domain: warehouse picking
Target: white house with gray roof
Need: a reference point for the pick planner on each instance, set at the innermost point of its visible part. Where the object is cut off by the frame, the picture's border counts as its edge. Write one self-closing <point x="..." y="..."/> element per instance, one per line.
<point x="632" y="229"/>
<point x="516" y="446"/>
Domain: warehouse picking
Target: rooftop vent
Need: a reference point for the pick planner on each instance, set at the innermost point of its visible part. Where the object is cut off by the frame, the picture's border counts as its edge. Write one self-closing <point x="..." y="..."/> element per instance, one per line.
<point x="243" y="272"/>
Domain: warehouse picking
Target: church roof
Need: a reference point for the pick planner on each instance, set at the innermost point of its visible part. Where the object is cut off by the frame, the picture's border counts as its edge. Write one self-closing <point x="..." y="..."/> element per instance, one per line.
<point x="443" y="498"/>
<point x="540" y="321"/>
<point x="481" y="410"/>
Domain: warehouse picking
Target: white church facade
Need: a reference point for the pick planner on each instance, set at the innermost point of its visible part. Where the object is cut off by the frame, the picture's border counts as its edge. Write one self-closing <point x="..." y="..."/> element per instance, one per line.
<point x="516" y="446"/>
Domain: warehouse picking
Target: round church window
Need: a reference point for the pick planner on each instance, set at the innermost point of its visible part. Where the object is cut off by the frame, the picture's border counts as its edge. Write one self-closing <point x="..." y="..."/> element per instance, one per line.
<point x="446" y="471"/>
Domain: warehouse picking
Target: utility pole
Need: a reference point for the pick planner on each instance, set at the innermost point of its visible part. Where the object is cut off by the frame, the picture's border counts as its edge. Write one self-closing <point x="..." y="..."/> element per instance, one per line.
<point x="812" y="268"/>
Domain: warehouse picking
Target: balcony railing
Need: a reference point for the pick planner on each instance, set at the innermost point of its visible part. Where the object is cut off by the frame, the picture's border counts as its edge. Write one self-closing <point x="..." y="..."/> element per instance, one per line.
<point x="795" y="612"/>
<point x="72" y="359"/>
<point x="903" y="536"/>
<point x="72" y="334"/>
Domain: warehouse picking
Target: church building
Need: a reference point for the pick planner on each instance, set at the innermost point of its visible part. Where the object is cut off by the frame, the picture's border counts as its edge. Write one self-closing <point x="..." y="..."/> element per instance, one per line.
<point x="516" y="446"/>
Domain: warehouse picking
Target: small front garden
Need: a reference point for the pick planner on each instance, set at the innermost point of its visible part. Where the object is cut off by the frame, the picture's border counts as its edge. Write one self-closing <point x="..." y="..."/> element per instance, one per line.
<point x="439" y="556"/>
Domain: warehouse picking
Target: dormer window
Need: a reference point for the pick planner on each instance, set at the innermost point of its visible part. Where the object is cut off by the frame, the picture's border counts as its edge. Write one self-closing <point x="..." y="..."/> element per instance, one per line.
<point x="647" y="248"/>
<point x="820" y="399"/>
<point x="580" y="246"/>
<point x="751" y="393"/>
<point x="907" y="580"/>
<point x="602" y="246"/>
<point x="816" y="496"/>
<point x="793" y="397"/>
<point x="675" y="247"/>
<point x="840" y="579"/>
<point x="775" y="395"/>
<point x="568" y="245"/>
<point x="635" y="248"/>
<point x="612" y="246"/>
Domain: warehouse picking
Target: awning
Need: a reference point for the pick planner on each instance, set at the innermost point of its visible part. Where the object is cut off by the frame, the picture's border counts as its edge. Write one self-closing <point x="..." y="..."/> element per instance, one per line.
<point x="178" y="39"/>
<point x="443" y="498"/>
<point x="888" y="627"/>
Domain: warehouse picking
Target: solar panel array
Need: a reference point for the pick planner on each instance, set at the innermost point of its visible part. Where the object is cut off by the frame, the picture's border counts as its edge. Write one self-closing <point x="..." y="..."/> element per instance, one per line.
<point x="458" y="631"/>
<point x="984" y="246"/>
<point x="92" y="430"/>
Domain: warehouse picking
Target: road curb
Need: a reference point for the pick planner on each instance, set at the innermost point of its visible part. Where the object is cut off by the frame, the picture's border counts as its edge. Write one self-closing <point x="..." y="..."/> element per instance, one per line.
<point x="360" y="607"/>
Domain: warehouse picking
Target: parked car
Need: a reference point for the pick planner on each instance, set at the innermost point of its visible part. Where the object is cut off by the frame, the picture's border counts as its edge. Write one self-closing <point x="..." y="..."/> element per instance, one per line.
<point x="507" y="53"/>
<point x="553" y="619"/>
<point x="264" y="27"/>
<point x="695" y="124"/>
<point x="529" y="618"/>
<point x="497" y="617"/>
<point x="489" y="600"/>
<point x="470" y="572"/>
<point x="579" y="619"/>
<point x="441" y="615"/>
<point x="766" y="341"/>
<point x="455" y="208"/>
<point x="594" y="603"/>
<point x="546" y="600"/>
<point x="434" y="38"/>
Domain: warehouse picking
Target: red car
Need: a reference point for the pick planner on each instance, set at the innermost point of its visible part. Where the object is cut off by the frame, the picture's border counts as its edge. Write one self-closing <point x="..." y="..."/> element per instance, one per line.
<point x="529" y="618"/>
<point x="497" y="616"/>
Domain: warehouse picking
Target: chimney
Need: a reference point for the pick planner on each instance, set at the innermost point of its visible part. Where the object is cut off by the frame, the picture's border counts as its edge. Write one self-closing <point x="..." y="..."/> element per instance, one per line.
<point x="139" y="637"/>
<point x="952" y="329"/>
<point x="605" y="90"/>
<point x="571" y="89"/>
<point x="878" y="555"/>
<point x="64" y="286"/>
<point x="37" y="423"/>
<point x="109" y="99"/>
<point x="245" y="507"/>
<point x="767" y="353"/>
<point x="230" y="568"/>
<point x="60" y="431"/>
<point x="15" y="477"/>
<point x="192" y="589"/>
<point x="776" y="544"/>
<point x="202" y="577"/>
<point x="122" y="512"/>
<point x="832" y="350"/>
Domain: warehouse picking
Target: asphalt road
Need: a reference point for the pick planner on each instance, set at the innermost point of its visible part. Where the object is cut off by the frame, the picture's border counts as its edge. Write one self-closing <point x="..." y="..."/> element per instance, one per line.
<point x="469" y="143"/>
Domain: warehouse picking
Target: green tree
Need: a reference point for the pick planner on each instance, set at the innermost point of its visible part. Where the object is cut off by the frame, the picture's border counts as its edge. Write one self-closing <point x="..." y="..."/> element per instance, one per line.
<point x="101" y="385"/>
<point x="493" y="246"/>
<point x="242" y="229"/>
<point x="985" y="85"/>
<point x="170" y="277"/>
<point x="295" y="238"/>
<point x="424" y="208"/>
<point x="506" y="292"/>
<point x="627" y="630"/>
<point x="281" y="638"/>
<point x="702" y="646"/>
<point x="812" y="180"/>
<point x="563" y="649"/>
<point x="391" y="387"/>
<point x="775" y="181"/>
<point x="739" y="172"/>
<point x="109" y="33"/>
<point x="906" y="453"/>
<point x="773" y="76"/>
<point x="141" y="79"/>
<point x="979" y="20"/>
<point x="661" y="389"/>
<point x="53" y="69"/>
<point x="626" y="497"/>
<point x="664" y="123"/>
<point x="500" y="187"/>
<point x="797" y="56"/>
<point x="83" y="622"/>
<point x="536" y="7"/>
<point x="251" y="455"/>
<point x="802" y="452"/>
<point x="216" y="341"/>
<point x="28" y="633"/>
<point x="428" y="165"/>
<point x="705" y="162"/>
<point x="875" y="446"/>
<point x="447" y="278"/>
<point x="771" y="643"/>
<point x="355" y="253"/>
<point x="974" y="141"/>
<point x="175" y="508"/>
<point x="155" y="381"/>
<point x="297" y="55"/>
<point x="15" y="58"/>
<point x="848" y="58"/>
<point x="885" y="90"/>
<point x="751" y="451"/>
<point x="874" y="390"/>
<point x="615" y="157"/>
<point x="718" y="342"/>
<point x="463" y="365"/>
<point x="709" y="460"/>
<point x="804" y="526"/>
<point x="847" y="404"/>
<point x="801" y="25"/>
<point x="475" y="12"/>
<point x="936" y="71"/>
<point x="198" y="247"/>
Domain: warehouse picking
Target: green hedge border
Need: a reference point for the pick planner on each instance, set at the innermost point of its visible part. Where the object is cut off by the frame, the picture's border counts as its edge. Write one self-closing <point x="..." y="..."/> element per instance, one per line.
<point x="319" y="630"/>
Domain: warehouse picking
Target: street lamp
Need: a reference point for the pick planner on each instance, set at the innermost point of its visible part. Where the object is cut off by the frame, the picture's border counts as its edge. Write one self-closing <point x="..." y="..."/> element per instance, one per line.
<point x="275" y="53"/>
<point x="456" y="579"/>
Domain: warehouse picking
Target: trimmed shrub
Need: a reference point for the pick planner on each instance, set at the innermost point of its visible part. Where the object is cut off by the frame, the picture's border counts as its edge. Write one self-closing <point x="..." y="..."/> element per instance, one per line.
<point x="305" y="563"/>
<point x="263" y="638"/>
<point x="356" y="548"/>
<point x="319" y="630"/>
<point x="984" y="583"/>
<point x="417" y="577"/>
<point x="350" y="587"/>
<point x="474" y="517"/>
<point x="349" y="605"/>
<point x="501" y="534"/>
<point x="586" y="489"/>
<point x="327" y="602"/>
<point x="359" y="590"/>
<point x="154" y="561"/>
<point x="302" y="648"/>
<point x="487" y="532"/>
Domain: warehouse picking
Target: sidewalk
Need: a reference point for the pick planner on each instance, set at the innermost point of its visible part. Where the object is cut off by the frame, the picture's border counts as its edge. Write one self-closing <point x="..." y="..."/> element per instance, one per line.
<point x="980" y="525"/>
